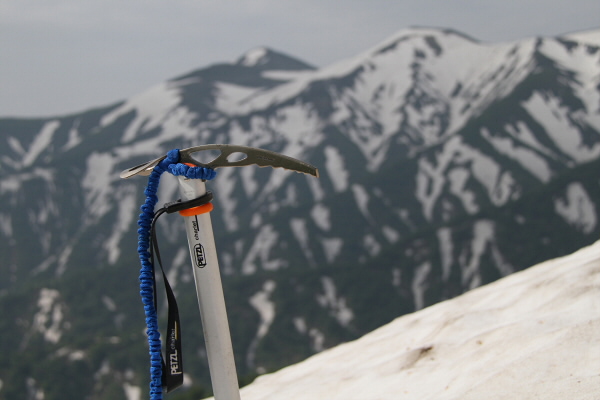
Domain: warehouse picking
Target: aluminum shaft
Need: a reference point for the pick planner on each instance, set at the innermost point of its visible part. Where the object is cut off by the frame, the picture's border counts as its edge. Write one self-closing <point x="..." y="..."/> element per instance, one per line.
<point x="210" y="296"/>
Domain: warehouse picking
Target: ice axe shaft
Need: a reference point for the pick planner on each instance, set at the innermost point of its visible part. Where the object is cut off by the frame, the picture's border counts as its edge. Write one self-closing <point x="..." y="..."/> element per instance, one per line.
<point x="203" y="251"/>
<point x="211" y="300"/>
<point x="205" y="262"/>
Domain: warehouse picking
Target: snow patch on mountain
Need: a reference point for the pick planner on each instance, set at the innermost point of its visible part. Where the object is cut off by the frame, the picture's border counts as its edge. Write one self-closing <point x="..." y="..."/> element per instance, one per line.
<point x="371" y="245"/>
<point x="15" y="145"/>
<point x="266" y="309"/>
<point x="420" y="284"/>
<point x="127" y="207"/>
<point x="148" y="108"/>
<point x="483" y="242"/>
<point x="301" y="128"/>
<point x="250" y="184"/>
<point x="33" y="391"/>
<point x="336" y="169"/>
<point x="179" y="270"/>
<point x="300" y="231"/>
<point x="316" y="337"/>
<point x="390" y="234"/>
<point x="336" y="304"/>
<point x="259" y="254"/>
<point x="74" y="136"/>
<point x="230" y="95"/>
<point x="320" y="215"/>
<point x="332" y="248"/>
<point x="254" y="57"/>
<point x="132" y="392"/>
<point x="361" y="197"/>
<point x="48" y="320"/>
<point x="70" y="354"/>
<point x="63" y="259"/>
<point x="14" y="183"/>
<point x="483" y="234"/>
<point x="300" y="75"/>
<point x="109" y="303"/>
<point x="40" y="142"/>
<point x="300" y="324"/>
<point x="455" y="156"/>
<point x="574" y="55"/>
<point x="458" y="178"/>
<point x="577" y="208"/>
<point x="6" y="228"/>
<point x="96" y="184"/>
<point x="556" y="120"/>
<point x="226" y="185"/>
<point x="517" y="148"/>
<point x="316" y="189"/>
<point x="444" y="236"/>
<point x="591" y="36"/>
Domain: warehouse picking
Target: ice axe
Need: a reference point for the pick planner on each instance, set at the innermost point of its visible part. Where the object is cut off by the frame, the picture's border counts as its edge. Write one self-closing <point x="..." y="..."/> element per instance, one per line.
<point x="195" y="207"/>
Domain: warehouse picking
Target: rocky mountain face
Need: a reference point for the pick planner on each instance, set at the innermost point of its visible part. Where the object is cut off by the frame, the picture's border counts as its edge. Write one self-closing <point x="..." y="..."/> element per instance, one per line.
<point x="445" y="163"/>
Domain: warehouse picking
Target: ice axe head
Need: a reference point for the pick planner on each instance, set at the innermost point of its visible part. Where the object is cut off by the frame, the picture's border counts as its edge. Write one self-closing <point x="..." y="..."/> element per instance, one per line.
<point x="230" y="156"/>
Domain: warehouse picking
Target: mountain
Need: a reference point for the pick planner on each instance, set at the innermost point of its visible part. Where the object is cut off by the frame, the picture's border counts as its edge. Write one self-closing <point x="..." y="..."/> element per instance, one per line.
<point x="530" y="335"/>
<point x="446" y="163"/>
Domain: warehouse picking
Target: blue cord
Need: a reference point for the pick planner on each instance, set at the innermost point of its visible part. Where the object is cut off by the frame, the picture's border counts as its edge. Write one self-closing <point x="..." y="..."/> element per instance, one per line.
<point x="170" y="164"/>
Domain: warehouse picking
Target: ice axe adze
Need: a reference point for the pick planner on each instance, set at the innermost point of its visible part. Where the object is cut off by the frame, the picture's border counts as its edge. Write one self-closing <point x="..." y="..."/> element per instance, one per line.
<point x="167" y="373"/>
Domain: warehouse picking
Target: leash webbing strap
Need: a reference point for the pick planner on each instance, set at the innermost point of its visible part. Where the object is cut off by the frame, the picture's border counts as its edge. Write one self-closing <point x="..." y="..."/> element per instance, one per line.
<point x="172" y="362"/>
<point x="163" y="375"/>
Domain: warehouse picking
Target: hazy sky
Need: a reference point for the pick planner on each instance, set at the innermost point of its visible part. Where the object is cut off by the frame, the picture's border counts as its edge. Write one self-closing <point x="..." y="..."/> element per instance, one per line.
<point x="63" y="56"/>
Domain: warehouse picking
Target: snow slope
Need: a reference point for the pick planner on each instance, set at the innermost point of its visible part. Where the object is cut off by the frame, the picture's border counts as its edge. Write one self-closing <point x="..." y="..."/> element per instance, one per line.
<point x="531" y="335"/>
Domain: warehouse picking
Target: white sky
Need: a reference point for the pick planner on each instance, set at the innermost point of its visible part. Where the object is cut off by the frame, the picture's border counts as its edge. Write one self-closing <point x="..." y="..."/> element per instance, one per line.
<point x="63" y="56"/>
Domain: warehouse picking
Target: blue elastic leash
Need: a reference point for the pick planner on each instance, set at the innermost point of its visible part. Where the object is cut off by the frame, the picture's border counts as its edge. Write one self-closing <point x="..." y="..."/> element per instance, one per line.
<point x="147" y="282"/>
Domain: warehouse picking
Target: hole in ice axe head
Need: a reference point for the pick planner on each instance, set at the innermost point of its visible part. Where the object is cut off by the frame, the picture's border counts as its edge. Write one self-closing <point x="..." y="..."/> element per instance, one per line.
<point x="236" y="157"/>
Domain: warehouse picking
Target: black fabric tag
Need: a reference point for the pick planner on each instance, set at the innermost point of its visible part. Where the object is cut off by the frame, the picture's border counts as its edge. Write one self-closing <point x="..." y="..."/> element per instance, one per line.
<point x="172" y="361"/>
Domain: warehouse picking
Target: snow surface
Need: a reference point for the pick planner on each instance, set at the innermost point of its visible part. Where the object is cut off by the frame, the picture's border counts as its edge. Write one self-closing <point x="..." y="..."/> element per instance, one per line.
<point x="531" y="335"/>
<point x="577" y="208"/>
